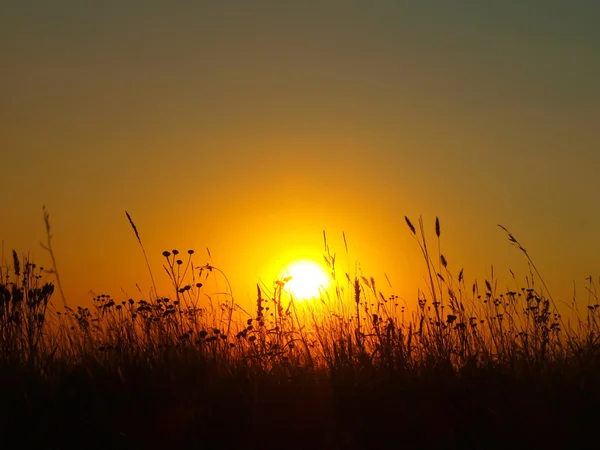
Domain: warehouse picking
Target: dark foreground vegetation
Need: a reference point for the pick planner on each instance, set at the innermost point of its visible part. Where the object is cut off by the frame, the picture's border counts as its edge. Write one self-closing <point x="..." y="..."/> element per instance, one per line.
<point x="468" y="368"/>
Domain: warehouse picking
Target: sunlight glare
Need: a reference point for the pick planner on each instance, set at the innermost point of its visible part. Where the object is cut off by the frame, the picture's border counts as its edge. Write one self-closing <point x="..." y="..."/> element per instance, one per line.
<point x="307" y="279"/>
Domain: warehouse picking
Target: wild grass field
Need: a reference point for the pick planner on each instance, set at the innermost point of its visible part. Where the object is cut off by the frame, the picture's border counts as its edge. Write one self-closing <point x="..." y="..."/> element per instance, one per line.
<point x="470" y="367"/>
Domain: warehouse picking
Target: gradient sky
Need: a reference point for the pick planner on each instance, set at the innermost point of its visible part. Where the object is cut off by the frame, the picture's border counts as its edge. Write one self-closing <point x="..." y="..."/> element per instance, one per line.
<point x="249" y="127"/>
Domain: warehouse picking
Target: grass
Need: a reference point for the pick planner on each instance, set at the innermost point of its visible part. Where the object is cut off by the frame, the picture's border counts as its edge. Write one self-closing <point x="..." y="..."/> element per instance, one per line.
<point x="469" y="367"/>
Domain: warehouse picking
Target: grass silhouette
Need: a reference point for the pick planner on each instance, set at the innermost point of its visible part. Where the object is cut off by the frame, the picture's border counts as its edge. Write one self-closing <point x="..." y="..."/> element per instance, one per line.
<point x="469" y="367"/>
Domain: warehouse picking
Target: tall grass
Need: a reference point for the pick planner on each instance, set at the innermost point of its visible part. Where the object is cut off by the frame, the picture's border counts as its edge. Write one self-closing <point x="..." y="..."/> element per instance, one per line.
<point x="469" y="367"/>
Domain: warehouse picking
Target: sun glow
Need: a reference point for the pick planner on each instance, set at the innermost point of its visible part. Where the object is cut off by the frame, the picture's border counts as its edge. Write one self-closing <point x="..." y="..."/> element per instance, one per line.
<point x="305" y="279"/>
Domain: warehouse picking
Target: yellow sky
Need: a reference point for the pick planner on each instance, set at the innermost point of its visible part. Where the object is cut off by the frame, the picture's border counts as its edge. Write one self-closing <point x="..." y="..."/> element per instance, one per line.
<point x="251" y="130"/>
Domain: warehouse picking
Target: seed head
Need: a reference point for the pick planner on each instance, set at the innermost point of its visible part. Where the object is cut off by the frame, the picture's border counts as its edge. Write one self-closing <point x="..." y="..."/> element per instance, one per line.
<point x="410" y="225"/>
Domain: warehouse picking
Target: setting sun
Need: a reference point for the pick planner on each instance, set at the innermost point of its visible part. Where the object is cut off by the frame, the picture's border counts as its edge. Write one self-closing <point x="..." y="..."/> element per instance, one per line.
<point x="306" y="280"/>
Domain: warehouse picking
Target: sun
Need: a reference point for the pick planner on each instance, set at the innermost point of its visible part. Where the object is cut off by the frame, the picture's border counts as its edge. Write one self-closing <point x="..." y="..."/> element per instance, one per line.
<point x="306" y="279"/>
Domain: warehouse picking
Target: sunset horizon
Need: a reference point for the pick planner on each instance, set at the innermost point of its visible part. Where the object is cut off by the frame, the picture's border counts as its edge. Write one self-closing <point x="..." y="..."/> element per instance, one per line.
<point x="336" y="207"/>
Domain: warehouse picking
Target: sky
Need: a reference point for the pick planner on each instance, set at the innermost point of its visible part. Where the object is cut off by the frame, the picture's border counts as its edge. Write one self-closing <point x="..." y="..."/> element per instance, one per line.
<point x="250" y="127"/>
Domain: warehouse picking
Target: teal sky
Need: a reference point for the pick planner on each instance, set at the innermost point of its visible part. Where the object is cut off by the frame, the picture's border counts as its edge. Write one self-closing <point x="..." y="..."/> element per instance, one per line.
<point x="249" y="127"/>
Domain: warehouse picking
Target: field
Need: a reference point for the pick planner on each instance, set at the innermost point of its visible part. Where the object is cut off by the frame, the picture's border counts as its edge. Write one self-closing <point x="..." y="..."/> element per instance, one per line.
<point x="468" y="367"/>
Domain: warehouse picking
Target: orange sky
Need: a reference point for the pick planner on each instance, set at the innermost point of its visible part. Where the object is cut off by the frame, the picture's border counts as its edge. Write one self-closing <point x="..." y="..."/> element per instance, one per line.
<point x="251" y="129"/>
